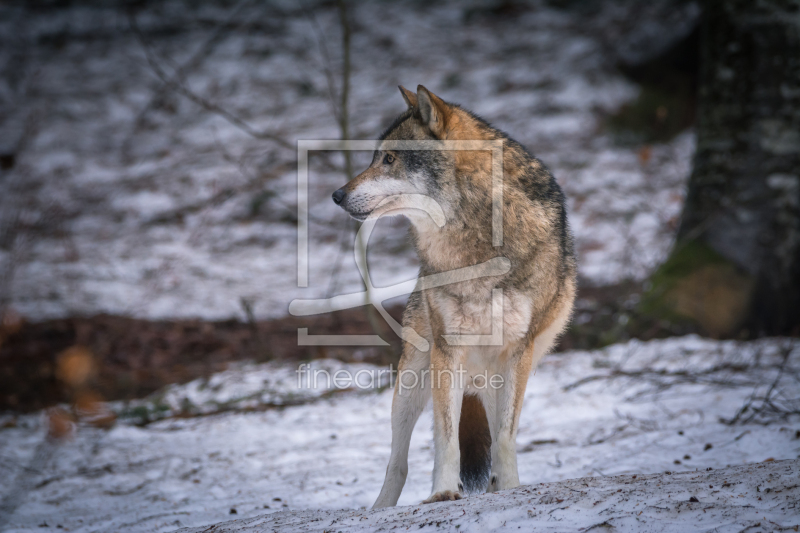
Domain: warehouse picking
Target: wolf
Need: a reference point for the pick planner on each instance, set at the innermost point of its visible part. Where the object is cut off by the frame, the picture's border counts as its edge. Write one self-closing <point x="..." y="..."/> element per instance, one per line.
<point x="475" y="425"/>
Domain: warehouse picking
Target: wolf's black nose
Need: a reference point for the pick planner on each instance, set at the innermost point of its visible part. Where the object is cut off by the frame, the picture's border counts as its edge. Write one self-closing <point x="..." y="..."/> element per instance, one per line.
<point x="338" y="196"/>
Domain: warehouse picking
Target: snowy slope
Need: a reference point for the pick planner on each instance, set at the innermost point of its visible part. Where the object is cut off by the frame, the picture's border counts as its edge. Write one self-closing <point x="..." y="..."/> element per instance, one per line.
<point x="635" y="408"/>
<point x="133" y="200"/>
<point x="759" y="497"/>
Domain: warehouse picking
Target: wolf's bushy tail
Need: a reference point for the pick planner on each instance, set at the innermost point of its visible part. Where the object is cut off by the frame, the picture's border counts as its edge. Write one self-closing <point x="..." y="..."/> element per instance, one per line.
<point x="475" y="443"/>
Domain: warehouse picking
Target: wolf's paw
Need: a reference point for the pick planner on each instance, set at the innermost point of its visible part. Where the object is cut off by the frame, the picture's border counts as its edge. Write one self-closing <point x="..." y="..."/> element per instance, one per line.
<point x="493" y="482"/>
<point x="501" y="482"/>
<point x="444" y="496"/>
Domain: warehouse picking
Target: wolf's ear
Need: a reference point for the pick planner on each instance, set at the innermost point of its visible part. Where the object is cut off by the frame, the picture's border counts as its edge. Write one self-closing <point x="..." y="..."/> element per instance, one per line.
<point x="432" y="111"/>
<point x="409" y="97"/>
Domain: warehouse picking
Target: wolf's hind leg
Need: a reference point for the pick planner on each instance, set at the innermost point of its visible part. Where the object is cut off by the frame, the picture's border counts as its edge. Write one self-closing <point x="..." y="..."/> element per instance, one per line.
<point x="411" y="394"/>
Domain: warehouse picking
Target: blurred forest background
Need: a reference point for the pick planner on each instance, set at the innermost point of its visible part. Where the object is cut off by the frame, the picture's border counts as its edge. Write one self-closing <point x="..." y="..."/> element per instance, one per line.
<point x="148" y="242"/>
<point x="148" y="151"/>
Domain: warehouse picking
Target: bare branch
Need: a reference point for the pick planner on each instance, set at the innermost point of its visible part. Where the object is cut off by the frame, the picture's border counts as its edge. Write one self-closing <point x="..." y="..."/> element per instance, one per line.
<point x="326" y="64"/>
<point x="179" y="75"/>
<point x="773" y="405"/>
<point x="176" y="85"/>
<point x="344" y="119"/>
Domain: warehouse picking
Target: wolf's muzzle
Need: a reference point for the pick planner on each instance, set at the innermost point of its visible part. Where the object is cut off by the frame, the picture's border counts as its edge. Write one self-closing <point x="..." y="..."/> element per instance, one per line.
<point x="338" y="196"/>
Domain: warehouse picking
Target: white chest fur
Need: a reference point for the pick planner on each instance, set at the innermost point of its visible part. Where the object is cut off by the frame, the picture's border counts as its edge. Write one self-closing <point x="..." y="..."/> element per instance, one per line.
<point x="470" y="312"/>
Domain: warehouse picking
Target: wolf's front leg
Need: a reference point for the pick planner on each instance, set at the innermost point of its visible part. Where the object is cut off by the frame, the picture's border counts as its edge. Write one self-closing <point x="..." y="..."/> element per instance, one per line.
<point x="411" y="394"/>
<point x="508" y="407"/>
<point x="448" y="392"/>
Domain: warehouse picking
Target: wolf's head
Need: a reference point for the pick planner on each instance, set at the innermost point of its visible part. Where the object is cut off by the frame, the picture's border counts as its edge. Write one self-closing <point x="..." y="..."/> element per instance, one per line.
<point x="423" y="168"/>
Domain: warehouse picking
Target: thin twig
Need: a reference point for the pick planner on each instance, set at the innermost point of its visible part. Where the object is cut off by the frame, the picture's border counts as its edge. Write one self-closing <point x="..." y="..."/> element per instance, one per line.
<point x="344" y="118"/>
<point x="326" y="64"/>
<point x="764" y="408"/>
<point x="180" y="73"/>
<point x="254" y="182"/>
<point x="344" y="126"/>
<point x="175" y="84"/>
<point x="678" y="376"/>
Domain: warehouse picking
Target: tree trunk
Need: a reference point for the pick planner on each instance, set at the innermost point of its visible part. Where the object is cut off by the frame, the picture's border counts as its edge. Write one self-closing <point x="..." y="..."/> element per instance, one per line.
<point x="738" y="249"/>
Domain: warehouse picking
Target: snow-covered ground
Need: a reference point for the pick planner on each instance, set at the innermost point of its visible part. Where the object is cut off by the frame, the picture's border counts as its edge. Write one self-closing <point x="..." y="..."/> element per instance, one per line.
<point x="633" y="409"/>
<point x="123" y="196"/>
<point x="762" y="497"/>
<point x="132" y="199"/>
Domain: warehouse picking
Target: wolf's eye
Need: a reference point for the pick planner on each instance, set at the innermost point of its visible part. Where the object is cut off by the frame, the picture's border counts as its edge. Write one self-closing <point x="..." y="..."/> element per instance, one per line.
<point x="388" y="160"/>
